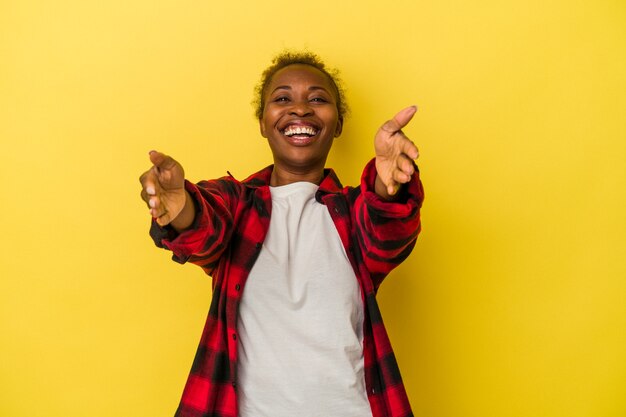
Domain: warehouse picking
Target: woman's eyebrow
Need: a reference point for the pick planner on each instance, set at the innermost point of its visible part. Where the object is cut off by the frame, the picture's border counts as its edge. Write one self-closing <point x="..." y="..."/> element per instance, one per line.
<point x="311" y="88"/>
<point x="282" y="87"/>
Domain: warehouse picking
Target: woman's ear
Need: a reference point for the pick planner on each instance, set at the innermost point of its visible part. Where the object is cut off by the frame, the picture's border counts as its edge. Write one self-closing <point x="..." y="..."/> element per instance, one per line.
<point x="339" y="127"/>
<point x="262" y="128"/>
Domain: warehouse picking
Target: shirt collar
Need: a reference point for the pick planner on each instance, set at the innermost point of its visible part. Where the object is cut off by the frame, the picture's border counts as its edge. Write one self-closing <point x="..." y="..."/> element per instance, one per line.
<point x="330" y="183"/>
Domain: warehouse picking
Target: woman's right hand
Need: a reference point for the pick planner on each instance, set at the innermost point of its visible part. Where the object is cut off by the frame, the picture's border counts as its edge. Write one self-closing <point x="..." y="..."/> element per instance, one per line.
<point x="163" y="189"/>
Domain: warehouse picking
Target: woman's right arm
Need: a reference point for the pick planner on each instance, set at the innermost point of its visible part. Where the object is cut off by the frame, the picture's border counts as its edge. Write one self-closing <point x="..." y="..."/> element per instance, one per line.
<point x="163" y="189"/>
<point x="195" y="222"/>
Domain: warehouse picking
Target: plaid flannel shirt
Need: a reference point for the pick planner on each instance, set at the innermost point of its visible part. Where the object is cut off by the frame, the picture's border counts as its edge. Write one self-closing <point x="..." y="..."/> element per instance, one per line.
<point x="231" y="222"/>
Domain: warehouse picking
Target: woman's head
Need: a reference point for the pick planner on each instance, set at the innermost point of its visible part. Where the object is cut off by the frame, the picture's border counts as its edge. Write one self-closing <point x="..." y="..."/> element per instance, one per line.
<point x="287" y="58"/>
<point x="300" y="108"/>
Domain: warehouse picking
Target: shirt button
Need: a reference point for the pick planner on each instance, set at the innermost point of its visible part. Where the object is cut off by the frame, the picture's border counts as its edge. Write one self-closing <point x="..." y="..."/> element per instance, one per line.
<point x="258" y="245"/>
<point x="234" y="384"/>
<point x="234" y="336"/>
<point x="237" y="287"/>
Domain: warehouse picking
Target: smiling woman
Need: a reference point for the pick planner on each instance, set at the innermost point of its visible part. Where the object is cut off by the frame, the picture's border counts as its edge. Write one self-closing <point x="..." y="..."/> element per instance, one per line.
<point x="305" y="337"/>
<point x="300" y="121"/>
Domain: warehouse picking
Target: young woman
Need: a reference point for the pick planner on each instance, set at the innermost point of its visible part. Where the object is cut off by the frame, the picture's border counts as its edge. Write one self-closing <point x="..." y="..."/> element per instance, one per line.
<point x="296" y="259"/>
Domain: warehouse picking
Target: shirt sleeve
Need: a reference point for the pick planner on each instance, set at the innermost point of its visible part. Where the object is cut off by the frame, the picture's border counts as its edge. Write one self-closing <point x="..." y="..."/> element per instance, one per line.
<point x="387" y="230"/>
<point x="204" y="242"/>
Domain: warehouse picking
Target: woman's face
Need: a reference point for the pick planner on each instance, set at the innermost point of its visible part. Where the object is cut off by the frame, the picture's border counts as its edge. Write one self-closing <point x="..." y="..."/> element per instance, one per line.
<point x="300" y="117"/>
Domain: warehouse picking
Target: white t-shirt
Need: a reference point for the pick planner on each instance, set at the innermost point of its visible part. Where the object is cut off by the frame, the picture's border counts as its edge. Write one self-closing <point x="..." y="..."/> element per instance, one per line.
<point x="300" y="320"/>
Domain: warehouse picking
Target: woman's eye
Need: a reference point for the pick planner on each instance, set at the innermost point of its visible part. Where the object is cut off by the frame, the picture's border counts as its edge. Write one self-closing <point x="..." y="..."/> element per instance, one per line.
<point x="281" y="99"/>
<point x="319" y="100"/>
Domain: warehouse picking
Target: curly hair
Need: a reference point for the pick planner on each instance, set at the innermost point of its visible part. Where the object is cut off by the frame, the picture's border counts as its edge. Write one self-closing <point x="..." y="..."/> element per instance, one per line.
<point x="286" y="58"/>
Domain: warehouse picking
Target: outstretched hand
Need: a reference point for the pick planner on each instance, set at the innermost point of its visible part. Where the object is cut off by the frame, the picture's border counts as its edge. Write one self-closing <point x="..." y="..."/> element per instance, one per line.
<point x="394" y="154"/>
<point x="163" y="188"/>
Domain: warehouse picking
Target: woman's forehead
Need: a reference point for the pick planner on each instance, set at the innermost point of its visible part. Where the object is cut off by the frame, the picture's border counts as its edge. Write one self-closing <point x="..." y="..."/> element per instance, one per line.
<point x="300" y="73"/>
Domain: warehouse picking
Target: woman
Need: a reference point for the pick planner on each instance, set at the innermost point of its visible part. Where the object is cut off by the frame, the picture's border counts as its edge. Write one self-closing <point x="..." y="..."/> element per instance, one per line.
<point x="305" y="337"/>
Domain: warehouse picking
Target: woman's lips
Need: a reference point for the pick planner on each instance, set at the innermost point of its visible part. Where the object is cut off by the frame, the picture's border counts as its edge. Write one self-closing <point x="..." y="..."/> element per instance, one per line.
<point x="299" y="133"/>
<point x="300" y="140"/>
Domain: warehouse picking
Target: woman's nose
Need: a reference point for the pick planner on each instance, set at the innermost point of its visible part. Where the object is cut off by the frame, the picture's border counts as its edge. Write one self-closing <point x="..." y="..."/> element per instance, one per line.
<point x="301" y="108"/>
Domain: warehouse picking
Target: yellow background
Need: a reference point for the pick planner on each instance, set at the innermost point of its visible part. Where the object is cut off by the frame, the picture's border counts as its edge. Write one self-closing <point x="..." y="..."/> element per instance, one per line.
<point x="514" y="300"/>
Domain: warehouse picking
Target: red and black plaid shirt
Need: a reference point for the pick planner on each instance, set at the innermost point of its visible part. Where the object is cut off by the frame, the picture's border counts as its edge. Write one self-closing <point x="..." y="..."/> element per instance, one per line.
<point x="231" y="222"/>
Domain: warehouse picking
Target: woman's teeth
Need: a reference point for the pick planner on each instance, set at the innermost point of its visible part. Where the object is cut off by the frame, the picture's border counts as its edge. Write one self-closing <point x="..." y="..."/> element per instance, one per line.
<point x="300" y="130"/>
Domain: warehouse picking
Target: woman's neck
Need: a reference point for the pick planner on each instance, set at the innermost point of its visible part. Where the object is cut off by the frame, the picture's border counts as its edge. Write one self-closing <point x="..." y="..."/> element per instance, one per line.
<point x="283" y="176"/>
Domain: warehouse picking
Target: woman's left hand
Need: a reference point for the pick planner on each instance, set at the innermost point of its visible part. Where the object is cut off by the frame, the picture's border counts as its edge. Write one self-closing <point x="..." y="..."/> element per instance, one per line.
<point x="394" y="154"/>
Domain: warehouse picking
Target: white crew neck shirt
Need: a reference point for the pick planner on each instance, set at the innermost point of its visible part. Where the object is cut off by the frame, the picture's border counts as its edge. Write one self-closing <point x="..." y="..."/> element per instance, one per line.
<point x="300" y="320"/>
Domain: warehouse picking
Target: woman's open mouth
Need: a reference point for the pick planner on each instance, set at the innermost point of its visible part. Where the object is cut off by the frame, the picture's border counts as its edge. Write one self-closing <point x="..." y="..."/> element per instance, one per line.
<point x="300" y="134"/>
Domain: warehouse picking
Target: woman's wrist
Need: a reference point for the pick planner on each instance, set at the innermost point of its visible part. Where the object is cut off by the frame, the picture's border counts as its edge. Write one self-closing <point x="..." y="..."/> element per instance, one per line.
<point x="187" y="215"/>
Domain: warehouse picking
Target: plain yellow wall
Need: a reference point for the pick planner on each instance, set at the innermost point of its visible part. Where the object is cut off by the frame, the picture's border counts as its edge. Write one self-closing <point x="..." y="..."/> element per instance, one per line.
<point x="514" y="300"/>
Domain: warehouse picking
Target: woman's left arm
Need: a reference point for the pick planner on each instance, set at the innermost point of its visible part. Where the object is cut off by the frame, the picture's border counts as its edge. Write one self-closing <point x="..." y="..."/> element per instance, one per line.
<point x="387" y="210"/>
<point x="395" y="154"/>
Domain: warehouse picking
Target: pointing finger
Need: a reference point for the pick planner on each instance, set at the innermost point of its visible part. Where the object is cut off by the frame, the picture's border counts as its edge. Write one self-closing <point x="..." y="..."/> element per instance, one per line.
<point x="160" y="160"/>
<point x="401" y="119"/>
